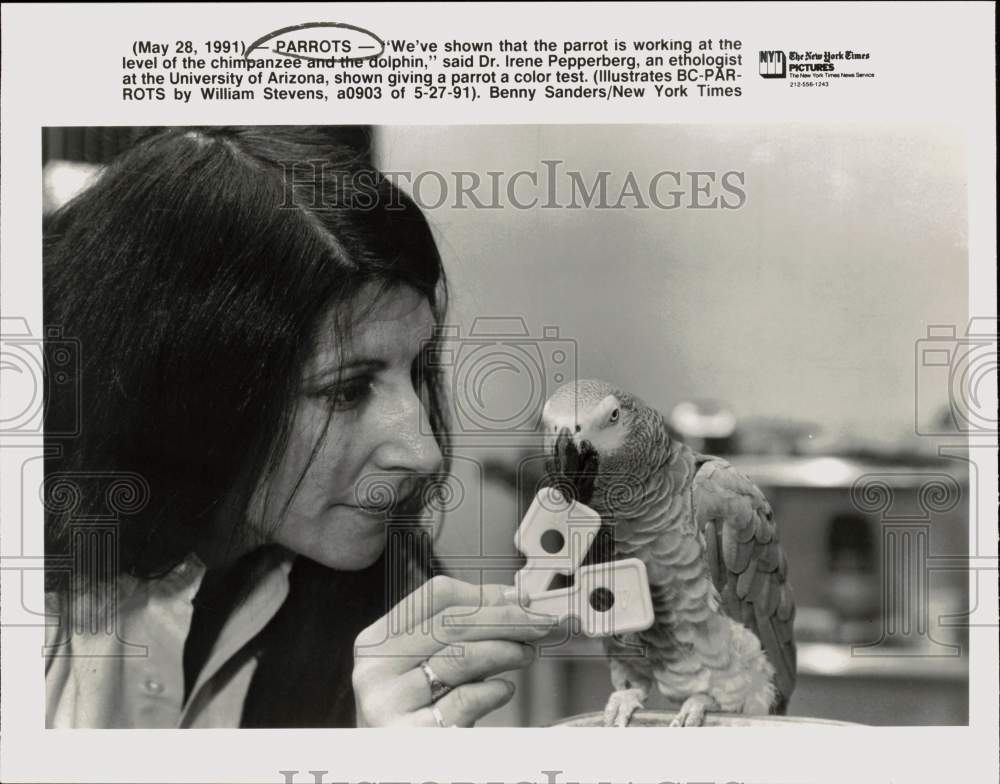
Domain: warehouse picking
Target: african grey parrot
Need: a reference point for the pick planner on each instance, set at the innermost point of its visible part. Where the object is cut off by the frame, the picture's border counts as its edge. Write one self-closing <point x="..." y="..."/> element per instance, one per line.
<point x="722" y="634"/>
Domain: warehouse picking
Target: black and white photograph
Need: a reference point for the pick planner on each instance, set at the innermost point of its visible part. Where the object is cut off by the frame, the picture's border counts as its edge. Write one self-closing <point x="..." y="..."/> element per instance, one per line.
<point x="409" y="366"/>
<point x="516" y="370"/>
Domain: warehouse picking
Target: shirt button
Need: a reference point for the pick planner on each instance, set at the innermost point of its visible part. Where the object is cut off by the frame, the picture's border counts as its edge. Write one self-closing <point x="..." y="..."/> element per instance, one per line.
<point x="153" y="686"/>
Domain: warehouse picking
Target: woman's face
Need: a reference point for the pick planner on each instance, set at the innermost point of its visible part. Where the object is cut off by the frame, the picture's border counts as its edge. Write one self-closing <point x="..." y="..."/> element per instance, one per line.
<point x="378" y="432"/>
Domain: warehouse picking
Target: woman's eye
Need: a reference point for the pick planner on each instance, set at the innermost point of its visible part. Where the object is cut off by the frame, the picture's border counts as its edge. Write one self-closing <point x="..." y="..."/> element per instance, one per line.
<point x="350" y="393"/>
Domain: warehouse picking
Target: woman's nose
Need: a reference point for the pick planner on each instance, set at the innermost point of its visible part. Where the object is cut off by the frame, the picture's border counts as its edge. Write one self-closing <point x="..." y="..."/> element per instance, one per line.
<point x="409" y="443"/>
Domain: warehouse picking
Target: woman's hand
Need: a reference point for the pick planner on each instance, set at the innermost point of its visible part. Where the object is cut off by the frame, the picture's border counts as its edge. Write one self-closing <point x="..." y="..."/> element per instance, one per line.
<point x="466" y="632"/>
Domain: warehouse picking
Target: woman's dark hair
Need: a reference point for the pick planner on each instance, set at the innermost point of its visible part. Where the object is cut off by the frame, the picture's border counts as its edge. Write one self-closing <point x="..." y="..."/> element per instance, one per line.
<point x="193" y="278"/>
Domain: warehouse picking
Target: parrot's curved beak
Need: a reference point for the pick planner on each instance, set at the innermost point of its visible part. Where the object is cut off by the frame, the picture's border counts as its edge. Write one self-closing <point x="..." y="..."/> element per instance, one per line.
<point x="575" y="464"/>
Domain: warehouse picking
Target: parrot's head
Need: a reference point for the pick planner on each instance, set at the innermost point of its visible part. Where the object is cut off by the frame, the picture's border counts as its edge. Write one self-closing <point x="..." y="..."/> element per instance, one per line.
<point x="601" y="443"/>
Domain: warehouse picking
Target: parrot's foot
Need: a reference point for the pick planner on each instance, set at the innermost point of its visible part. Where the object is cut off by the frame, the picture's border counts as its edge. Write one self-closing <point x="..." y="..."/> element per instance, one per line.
<point x="621" y="705"/>
<point x="692" y="712"/>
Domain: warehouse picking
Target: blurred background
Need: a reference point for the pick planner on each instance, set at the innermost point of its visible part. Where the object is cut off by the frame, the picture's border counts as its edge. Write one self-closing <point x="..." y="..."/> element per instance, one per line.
<point x="783" y="334"/>
<point x="813" y="336"/>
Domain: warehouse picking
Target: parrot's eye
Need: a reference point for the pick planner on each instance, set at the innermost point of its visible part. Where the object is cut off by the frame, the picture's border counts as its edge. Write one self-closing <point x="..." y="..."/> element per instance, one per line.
<point x="614" y="415"/>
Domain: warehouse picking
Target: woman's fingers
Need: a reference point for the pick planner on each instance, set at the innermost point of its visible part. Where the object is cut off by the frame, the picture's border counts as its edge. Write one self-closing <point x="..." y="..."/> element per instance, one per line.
<point x="506" y="622"/>
<point x="441" y="592"/>
<point x="451" y="630"/>
<point x="464" y="706"/>
<point x="478" y="661"/>
<point x="435" y="595"/>
<point x="468" y="632"/>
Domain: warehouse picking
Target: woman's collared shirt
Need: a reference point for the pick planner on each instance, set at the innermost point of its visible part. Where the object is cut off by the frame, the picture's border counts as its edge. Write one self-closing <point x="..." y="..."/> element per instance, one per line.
<point x="120" y="669"/>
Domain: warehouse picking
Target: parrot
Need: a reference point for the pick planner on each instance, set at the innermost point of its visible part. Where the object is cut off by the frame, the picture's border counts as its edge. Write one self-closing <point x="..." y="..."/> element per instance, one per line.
<point x="722" y="636"/>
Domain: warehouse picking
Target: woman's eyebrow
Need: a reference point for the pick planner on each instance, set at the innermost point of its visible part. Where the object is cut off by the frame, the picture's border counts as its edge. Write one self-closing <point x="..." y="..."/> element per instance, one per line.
<point x="351" y="365"/>
<point x="355" y="363"/>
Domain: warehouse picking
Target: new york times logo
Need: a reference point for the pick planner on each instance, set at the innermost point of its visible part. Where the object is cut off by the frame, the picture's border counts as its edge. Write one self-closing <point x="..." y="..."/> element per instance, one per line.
<point x="773" y="64"/>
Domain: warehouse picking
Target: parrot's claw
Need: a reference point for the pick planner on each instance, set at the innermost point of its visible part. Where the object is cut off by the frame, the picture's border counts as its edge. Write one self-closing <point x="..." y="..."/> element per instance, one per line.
<point x="621" y="705"/>
<point x="692" y="712"/>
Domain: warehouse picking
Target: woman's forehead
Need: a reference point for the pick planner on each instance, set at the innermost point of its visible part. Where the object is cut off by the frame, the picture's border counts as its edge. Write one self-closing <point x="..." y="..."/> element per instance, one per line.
<point x="397" y="321"/>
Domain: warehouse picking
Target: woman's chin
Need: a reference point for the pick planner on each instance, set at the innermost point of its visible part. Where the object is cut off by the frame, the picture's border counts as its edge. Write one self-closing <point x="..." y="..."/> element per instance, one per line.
<point x="360" y="553"/>
<point x="348" y="540"/>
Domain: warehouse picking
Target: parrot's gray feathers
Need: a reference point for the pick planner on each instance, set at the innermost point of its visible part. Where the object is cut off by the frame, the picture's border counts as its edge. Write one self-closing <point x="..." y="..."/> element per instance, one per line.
<point x="712" y="552"/>
<point x="723" y="610"/>
<point x="735" y="554"/>
<point x="747" y="562"/>
<point x="786" y="607"/>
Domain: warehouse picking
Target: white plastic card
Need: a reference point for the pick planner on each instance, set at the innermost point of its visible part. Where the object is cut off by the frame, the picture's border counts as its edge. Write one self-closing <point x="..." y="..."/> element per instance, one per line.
<point x="606" y="598"/>
<point x="554" y="536"/>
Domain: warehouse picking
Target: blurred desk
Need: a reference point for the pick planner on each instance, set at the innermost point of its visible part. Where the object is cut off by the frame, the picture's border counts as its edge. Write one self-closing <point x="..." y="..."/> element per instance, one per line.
<point x="830" y="471"/>
<point x="832" y="685"/>
<point x="905" y="689"/>
<point x="868" y="541"/>
<point x="900" y="686"/>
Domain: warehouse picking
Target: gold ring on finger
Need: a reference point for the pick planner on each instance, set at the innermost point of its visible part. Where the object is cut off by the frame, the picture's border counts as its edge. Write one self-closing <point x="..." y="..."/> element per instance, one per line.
<point x="438" y="687"/>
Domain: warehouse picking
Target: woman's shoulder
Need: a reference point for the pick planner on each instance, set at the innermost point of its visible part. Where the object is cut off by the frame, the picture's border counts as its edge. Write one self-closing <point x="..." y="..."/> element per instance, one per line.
<point x="71" y="616"/>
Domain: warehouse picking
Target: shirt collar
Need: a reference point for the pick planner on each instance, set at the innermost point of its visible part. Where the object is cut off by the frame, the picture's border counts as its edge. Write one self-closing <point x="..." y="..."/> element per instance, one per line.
<point x="248" y="618"/>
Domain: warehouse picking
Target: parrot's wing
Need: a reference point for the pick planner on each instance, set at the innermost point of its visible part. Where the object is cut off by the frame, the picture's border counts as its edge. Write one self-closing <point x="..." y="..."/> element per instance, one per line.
<point x="747" y="563"/>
